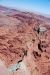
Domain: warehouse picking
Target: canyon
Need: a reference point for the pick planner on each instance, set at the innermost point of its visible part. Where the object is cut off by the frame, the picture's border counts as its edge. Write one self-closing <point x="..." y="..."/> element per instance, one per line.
<point x="24" y="42"/>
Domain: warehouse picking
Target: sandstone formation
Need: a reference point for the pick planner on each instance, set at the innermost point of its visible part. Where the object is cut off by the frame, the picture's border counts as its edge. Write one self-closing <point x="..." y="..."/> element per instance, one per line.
<point x="25" y="37"/>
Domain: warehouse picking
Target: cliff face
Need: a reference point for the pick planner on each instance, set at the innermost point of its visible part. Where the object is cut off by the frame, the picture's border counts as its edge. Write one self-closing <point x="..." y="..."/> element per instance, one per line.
<point x="25" y="37"/>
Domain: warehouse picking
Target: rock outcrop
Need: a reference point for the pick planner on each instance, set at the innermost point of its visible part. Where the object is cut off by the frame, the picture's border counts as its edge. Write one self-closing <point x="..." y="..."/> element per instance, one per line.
<point x="25" y="37"/>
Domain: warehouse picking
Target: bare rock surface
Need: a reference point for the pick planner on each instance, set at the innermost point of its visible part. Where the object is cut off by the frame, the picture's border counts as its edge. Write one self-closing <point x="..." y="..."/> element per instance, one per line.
<point x="25" y="39"/>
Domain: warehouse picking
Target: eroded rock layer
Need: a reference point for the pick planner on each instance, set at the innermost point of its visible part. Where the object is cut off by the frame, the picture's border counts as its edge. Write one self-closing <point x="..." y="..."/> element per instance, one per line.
<point x="25" y="36"/>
